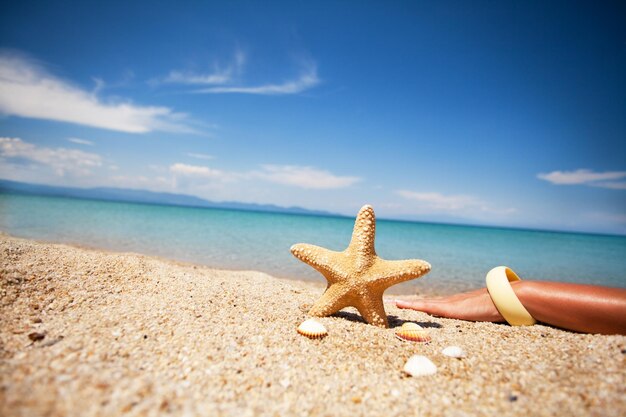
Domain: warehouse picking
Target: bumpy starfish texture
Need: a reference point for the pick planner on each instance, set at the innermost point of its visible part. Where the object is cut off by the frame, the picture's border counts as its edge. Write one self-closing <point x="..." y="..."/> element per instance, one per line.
<point x="357" y="277"/>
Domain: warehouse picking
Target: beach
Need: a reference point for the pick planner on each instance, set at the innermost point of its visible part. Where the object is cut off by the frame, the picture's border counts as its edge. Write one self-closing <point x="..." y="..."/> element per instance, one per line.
<point x="87" y="332"/>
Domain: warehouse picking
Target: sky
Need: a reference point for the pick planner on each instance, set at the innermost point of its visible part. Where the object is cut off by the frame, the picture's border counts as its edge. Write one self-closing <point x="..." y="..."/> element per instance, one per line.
<point x="487" y="112"/>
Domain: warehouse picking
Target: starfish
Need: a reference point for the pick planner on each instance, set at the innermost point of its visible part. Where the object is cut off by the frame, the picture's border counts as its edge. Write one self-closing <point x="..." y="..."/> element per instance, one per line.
<point x="357" y="277"/>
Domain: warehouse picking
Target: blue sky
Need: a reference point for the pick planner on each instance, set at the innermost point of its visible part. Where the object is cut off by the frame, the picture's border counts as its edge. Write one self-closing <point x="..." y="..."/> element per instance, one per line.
<point x="495" y="113"/>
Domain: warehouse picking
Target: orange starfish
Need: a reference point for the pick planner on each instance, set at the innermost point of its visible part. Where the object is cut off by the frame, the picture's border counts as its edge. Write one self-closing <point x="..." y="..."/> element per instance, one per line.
<point x="357" y="277"/>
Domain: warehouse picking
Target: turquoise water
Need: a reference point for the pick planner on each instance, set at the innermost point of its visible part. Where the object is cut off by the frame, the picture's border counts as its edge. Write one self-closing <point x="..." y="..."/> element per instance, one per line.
<point x="460" y="255"/>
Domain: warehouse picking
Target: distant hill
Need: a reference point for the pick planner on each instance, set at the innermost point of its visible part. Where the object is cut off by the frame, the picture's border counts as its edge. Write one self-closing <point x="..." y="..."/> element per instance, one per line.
<point x="144" y="196"/>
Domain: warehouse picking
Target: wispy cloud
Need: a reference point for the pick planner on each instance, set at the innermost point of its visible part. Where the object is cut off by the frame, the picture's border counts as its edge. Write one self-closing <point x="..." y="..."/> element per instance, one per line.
<point x="440" y="201"/>
<point x="182" y="77"/>
<point x="291" y="175"/>
<point x="199" y="155"/>
<point x="219" y="75"/>
<point x="158" y="183"/>
<point x="227" y="79"/>
<point x="307" y="79"/>
<point x="186" y="170"/>
<point x="453" y="203"/>
<point x="304" y="177"/>
<point x="587" y="177"/>
<point x="28" y="90"/>
<point x="61" y="160"/>
<point x="80" y="141"/>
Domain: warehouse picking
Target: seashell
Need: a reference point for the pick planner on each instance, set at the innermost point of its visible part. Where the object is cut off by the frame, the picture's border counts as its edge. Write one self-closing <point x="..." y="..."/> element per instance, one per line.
<point x="419" y="365"/>
<point x="409" y="325"/>
<point x="413" y="333"/>
<point x="454" y="352"/>
<point x="312" y="329"/>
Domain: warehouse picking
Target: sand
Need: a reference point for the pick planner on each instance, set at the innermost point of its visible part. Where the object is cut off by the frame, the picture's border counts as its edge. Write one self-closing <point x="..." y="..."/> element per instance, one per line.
<point x="93" y="333"/>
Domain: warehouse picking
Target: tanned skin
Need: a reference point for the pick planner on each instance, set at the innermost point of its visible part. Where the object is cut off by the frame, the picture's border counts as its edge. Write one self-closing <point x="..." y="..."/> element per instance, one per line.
<point x="577" y="307"/>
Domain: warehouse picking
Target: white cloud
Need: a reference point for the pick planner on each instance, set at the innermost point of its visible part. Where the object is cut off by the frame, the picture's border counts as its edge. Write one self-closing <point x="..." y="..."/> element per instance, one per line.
<point x="308" y="79"/>
<point x="199" y="155"/>
<point x="158" y="184"/>
<point x="304" y="177"/>
<point x="198" y="179"/>
<point x="453" y="203"/>
<point x="180" y="77"/>
<point x="61" y="160"/>
<point x="297" y="176"/>
<point x="198" y="171"/>
<point x="586" y="177"/>
<point x="441" y="202"/>
<point x="28" y="90"/>
<point x="224" y="79"/>
<point x="219" y="75"/>
<point x="80" y="141"/>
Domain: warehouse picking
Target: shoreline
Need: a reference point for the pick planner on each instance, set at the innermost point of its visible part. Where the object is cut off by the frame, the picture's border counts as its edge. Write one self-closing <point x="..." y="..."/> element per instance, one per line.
<point x="122" y="333"/>
<point x="320" y="283"/>
<point x="226" y="239"/>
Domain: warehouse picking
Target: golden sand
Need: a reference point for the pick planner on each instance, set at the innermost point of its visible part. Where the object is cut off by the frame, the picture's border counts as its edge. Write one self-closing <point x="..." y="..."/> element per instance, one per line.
<point x="91" y="333"/>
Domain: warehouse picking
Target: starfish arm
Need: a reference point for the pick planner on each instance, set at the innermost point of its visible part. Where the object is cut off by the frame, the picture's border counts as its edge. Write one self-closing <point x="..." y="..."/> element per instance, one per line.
<point x="330" y="302"/>
<point x="389" y="273"/>
<point x="319" y="258"/>
<point x="363" y="234"/>
<point x="372" y="310"/>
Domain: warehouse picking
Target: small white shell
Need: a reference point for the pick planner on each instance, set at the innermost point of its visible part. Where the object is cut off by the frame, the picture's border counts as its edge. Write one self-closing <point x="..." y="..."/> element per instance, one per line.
<point x="312" y="329"/>
<point x="419" y="365"/>
<point x="454" y="352"/>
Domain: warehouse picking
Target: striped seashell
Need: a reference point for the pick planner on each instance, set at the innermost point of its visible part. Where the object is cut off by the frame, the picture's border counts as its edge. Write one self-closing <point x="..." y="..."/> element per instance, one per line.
<point x="312" y="329"/>
<point x="412" y="332"/>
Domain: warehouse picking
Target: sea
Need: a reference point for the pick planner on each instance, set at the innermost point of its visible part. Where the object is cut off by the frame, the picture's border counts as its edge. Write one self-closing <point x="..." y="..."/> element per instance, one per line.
<point x="246" y="240"/>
